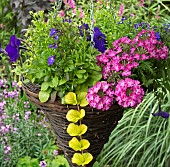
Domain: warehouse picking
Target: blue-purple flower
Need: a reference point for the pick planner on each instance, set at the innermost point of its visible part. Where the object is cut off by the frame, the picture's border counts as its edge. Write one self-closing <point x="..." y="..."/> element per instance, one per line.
<point x="53" y="46"/>
<point x="54" y="33"/>
<point x="158" y="36"/>
<point x="84" y="29"/>
<point x="161" y="113"/>
<point x="13" y="48"/>
<point x="51" y="60"/>
<point x="99" y="40"/>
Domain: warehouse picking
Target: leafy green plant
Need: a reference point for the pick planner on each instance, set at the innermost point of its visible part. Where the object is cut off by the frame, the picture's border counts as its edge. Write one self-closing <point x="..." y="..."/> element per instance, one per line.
<point x="139" y="139"/>
<point x="22" y="132"/>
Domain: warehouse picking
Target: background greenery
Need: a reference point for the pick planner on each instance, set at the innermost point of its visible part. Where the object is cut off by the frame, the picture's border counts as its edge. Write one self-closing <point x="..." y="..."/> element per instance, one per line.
<point x="140" y="140"/>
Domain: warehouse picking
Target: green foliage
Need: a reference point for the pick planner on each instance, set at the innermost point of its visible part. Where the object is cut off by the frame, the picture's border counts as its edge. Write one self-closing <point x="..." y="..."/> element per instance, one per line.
<point x="74" y="66"/>
<point x="139" y="139"/>
<point x="27" y="134"/>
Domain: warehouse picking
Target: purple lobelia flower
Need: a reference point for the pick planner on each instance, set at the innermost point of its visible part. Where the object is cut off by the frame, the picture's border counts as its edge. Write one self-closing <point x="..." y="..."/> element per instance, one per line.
<point x="161" y="113"/>
<point x="51" y="60"/>
<point x="53" y="46"/>
<point x="99" y="40"/>
<point x="13" y="48"/>
<point x="158" y="36"/>
<point x="54" y="33"/>
<point x="84" y="29"/>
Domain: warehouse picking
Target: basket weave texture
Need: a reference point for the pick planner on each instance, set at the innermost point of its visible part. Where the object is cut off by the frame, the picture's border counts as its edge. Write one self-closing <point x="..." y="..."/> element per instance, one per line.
<point x="100" y="123"/>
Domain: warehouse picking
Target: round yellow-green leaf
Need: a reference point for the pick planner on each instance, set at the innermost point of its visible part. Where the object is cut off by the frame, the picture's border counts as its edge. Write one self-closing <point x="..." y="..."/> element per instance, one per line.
<point x="82" y="159"/>
<point x="70" y="98"/>
<point x="77" y="145"/>
<point x="74" y="115"/>
<point x="76" y="130"/>
<point x="81" y="99"/>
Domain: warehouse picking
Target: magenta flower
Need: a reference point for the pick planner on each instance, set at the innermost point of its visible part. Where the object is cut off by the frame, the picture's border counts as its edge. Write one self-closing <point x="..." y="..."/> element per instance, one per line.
<point x="100" y="96"/>
<point x="129" y="93"/>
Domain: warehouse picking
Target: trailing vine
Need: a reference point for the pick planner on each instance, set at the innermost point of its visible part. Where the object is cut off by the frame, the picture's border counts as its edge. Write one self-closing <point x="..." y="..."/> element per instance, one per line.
<point x="76" y="129"/>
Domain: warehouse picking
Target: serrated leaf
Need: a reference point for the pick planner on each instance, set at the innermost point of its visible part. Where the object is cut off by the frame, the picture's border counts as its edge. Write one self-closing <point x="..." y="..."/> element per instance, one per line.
<point x="82" y="159"/>
<point x="43" y="96"/>
<point x="44" y="86"/>
<point x="81" y="99"/>
<point x="77" y="145"/>
<point x="76" y="130"/>
<point x="70" y="98"/>
<point x="74" y="115"/>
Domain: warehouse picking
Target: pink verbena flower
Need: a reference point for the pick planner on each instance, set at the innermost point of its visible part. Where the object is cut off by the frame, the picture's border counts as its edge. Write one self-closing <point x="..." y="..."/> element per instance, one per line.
<point x="62" y="13"/>
<point x="129" y="93"/>
<point x="121" y="10"/>
<point x="100" y="96"/>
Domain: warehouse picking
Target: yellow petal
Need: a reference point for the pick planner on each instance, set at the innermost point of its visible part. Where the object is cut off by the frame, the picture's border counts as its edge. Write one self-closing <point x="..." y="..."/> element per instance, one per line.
<point x="82" y="159"/>
<point x="76" y="130"/>
<point x="77" y="145"/>
<point x="74" y="115"/>
<point x="70" y="98"/>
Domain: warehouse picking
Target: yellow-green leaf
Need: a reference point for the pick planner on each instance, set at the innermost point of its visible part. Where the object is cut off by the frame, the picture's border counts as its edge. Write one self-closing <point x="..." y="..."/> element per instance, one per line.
<point x="82" y="159"/>
<point x="76" y="130"/>
<point x="74" y="115"/>
<point x="81" y="99"/>
<point x="77" y="145"/>
<point x="70" y="98"/>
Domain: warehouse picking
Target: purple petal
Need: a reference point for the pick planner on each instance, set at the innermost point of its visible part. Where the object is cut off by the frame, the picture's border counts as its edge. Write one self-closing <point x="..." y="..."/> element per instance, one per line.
<point x="51" y="60"/>
<point x="162" y="114"/>
<point x="54" y="46"/>
<point x="13" y="53"/>
<point x="14" y="41"/>
<point x="53" y="31"/>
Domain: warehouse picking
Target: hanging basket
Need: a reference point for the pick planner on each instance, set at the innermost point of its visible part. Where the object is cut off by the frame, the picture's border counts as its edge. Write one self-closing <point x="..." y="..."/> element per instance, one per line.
<point x="100" y="123"/>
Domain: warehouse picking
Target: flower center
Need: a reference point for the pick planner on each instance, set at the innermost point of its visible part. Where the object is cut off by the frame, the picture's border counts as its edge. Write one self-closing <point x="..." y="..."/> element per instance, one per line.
<point x="128" y="91"/>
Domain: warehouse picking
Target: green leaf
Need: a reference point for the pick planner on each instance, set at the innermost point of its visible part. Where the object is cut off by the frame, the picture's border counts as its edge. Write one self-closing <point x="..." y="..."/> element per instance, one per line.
<point x="79" y="81"/>
<point x="81" y="99"/>
<point x="77" y="145"/>
<point x="70" y="98"/>
<point x="62" y="81"/>
<point x="82" y="159"/>
<point x="79" y="76"/>
<point x="74" y="115"/>
<point x="81" y="71"/>
<point x="76" y="130"/>
<point x="34" y="162"/>
<point x="44" y="86"/>
<point x="43" y="96"/>
<point x="55" y="81"/>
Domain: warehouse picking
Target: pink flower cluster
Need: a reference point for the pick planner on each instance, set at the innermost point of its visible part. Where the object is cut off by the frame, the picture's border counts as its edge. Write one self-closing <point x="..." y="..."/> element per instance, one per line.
<point x="147" y="43"/>
<point x="126" y="53"/>
<point x="100" y="96"/>
<point x="117" y="59"/>
<point x="129" y="93"/>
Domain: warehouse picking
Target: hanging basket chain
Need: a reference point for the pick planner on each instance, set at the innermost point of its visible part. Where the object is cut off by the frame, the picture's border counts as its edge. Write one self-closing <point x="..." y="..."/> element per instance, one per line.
<point x="92" y="22"/>
<point x="58" y="4"/>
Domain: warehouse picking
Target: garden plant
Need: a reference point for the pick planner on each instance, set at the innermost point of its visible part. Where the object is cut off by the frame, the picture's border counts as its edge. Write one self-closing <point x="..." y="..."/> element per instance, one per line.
<point x="88" y="61"/>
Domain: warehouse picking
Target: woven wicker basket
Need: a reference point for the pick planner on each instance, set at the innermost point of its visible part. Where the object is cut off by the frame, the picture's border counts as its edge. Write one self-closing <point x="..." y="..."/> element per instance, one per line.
<point x="100" y="123"/>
